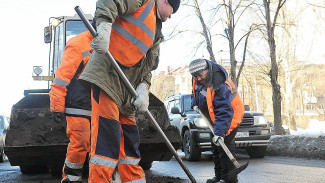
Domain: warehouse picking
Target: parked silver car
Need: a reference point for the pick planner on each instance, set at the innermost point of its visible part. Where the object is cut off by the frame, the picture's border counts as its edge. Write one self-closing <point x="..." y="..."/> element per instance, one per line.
<point x="4" y="124"/>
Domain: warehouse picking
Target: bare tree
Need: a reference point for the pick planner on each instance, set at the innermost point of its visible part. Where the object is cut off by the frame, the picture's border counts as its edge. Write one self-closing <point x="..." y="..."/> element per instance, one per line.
<point x="318" y="4"/>
<point x="229" y="31"/>
<point x="274" y="72"/>
<point x="231" y="22"/>
<point x="293" y="67"/>
<point x="206" y="32"/>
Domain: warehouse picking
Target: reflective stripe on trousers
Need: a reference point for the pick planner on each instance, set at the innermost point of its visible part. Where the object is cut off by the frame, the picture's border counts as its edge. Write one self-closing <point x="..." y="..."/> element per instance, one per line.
<point x="80" y="112"/>
<point x="114" y="142"/>
<point x="78" y="132"/>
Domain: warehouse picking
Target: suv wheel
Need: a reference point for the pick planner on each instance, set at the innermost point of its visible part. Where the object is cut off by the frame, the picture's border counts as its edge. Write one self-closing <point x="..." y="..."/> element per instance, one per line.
<point x="192" y="152"/>
<point x="256" y="152"/>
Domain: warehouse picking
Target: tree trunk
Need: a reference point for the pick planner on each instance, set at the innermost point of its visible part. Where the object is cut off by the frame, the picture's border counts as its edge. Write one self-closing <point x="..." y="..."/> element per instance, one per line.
<point x="230" y="35"/>
<point x="276" y="98"/>
<point x="292" y="121"/>
<point x="274" y="72"/>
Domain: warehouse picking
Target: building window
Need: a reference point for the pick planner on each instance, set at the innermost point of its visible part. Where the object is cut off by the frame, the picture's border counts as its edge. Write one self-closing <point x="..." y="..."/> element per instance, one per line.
<point x="309" y="107"/>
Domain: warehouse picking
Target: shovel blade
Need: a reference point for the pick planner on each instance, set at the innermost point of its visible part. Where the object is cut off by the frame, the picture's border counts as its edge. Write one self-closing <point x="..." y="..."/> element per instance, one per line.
<point x="242" y="167"/>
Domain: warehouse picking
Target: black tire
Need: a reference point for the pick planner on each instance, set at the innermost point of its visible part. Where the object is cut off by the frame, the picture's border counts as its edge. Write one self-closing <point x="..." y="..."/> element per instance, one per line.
<point x="33" y="169"/>
<point x="145" y="165"/>
<point x="2" y="156"/>
<point x="192" y="152"/>
<point x="256" y="152"/>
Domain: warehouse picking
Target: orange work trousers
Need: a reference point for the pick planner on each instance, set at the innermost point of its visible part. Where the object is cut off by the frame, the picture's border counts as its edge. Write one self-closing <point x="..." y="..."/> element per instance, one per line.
<point x="78" y="131"/>
<point x="114" y="142"/>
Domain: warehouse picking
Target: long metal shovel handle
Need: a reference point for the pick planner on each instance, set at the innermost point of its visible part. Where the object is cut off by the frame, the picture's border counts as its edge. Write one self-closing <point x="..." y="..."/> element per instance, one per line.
<point x="134" y="93"/>
<point x="223" y="145"/>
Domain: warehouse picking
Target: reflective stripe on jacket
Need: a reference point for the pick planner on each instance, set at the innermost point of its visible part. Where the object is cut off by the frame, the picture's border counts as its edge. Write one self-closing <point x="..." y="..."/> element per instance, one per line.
<point x="132" y="35"/>
<point x="220" y="102"/>
<point x="67" y="94"/>
<point x="100" y="71"/>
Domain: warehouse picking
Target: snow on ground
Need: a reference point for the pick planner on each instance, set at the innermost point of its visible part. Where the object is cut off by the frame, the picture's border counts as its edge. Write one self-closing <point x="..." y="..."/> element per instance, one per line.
<point x="315" y="128"/>
<point x="304" y="143"/>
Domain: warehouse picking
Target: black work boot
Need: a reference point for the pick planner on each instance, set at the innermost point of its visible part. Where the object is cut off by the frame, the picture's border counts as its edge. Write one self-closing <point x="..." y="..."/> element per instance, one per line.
<point x="213" y="180"/>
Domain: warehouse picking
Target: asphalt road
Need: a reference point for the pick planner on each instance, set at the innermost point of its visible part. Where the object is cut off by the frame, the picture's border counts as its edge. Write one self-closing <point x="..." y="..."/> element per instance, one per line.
<point x="267" y="170"/>
<point x="270" y="169"/>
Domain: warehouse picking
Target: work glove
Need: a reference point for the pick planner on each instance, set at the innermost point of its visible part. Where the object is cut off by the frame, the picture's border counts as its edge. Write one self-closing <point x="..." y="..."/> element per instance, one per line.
<point x="196" y="109"/>
<point x="58" y="116"/>
<point x="215" y="140"/>
<point x="101" y="42"/>
<point x="141" y="103"/>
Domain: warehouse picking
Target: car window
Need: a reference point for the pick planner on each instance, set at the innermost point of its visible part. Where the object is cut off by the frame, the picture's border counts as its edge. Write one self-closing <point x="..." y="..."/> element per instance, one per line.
<point x="187" y="102"/>
<point x="6" y="122"/>
<point x="170" y="105"/>
<point x="177" y="104"/>
<point x="2" y="122"/>
<point x="173" y="103"/>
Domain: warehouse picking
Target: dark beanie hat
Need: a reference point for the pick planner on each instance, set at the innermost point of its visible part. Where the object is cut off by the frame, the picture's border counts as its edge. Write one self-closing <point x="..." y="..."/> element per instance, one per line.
<point x="174" y="4"/>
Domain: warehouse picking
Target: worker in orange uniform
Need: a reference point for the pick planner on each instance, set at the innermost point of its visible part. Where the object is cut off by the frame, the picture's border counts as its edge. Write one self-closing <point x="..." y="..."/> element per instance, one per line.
<point x="131" y="31"/>
<point x="216" y="96"/>
<point x="70" y="100"/>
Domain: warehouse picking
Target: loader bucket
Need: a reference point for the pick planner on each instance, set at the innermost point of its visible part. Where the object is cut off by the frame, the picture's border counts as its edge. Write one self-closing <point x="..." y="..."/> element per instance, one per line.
<point x="36" y="143"/>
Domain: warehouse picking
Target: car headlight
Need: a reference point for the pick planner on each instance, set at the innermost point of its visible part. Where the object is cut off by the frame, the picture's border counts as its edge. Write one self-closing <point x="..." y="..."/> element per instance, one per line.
<point x="199" y="122"/>
<point x="258" y="120"/>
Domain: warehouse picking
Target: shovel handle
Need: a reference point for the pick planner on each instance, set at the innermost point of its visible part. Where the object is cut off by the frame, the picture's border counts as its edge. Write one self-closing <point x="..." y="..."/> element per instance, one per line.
<point x="223" y="145"/>
<point x="134" y="93"/>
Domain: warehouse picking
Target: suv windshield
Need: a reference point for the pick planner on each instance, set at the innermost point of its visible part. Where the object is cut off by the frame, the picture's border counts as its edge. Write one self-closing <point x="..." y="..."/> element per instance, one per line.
<point x="187" y="103"/>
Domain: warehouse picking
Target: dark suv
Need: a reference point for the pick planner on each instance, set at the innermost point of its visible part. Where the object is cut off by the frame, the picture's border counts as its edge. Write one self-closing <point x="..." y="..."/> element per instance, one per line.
<point x="253" y="133"/>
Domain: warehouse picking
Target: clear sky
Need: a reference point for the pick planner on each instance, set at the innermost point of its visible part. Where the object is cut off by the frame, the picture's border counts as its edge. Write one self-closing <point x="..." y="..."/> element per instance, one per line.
<point x="22" y="44"/>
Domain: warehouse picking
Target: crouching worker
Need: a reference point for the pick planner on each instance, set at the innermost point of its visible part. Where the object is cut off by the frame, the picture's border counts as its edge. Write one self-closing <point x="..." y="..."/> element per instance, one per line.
<point x="71" y="101"/>
<point x="217" y="98"/>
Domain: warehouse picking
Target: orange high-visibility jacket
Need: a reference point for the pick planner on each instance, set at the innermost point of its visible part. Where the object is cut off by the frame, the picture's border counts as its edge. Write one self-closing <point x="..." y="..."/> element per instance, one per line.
<point x="223" y="115"/>
<point x="67" y="94"/>
<point x="99" y="70"/>
<point x="132" y="35"/>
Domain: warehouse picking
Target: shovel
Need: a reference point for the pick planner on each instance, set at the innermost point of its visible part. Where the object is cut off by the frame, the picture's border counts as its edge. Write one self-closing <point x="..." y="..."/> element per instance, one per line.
<point x="134" y="93"/>
<point x="239" y="168"/>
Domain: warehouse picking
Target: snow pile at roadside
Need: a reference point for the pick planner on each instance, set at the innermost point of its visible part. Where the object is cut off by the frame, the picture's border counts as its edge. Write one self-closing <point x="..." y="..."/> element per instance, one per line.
<point x="315" y="127"/>
<point x="306" y="143"/>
